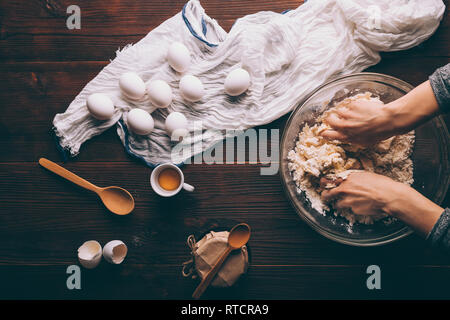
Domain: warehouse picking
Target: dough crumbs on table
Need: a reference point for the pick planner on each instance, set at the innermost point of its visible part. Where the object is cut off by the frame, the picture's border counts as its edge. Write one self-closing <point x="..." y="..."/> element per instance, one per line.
<point x="314" y="157"/>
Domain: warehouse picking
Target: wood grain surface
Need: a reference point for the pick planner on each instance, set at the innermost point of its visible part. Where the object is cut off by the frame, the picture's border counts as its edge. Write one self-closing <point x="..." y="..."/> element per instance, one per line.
<point x="44" y="219"/>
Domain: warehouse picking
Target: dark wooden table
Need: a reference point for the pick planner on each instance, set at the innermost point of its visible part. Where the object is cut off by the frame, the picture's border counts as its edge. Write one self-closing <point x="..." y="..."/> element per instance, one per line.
<point x="43" y="219"/>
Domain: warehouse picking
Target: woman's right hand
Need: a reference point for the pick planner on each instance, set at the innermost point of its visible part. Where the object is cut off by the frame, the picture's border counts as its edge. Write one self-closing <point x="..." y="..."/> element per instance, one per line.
<point x="363" y="122"/>
<point x="366" y="122"/>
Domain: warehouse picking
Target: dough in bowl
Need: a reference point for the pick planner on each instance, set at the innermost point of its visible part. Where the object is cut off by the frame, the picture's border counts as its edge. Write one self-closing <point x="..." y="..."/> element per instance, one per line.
<point x="314" y="157"/>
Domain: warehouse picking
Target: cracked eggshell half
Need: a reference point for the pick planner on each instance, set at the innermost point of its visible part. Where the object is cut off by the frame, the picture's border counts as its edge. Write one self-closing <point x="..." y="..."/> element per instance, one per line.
<point x="159" y="93"/>
<point x="115" y="251"/>
<point x="90" y="254"/>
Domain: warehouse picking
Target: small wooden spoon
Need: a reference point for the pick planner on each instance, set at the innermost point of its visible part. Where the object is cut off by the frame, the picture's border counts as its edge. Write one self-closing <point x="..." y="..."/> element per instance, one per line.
<point x="115" y="199"/>
<point x="238" y="237"/>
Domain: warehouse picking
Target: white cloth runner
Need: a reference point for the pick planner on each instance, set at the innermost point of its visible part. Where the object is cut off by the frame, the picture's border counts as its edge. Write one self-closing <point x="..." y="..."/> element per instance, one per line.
<point x="287" y="56"/>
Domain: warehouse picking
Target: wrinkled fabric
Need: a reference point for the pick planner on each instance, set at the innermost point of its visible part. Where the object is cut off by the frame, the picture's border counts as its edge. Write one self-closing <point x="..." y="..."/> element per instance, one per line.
<point x="287" y="55"/>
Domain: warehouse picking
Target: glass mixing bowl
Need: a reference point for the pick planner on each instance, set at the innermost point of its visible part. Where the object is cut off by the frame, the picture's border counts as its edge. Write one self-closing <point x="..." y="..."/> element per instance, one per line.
<point x="430" y="157"/>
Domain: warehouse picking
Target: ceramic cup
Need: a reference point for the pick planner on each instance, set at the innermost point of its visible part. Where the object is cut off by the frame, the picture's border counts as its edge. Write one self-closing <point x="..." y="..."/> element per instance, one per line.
<point x="160" y="190"/>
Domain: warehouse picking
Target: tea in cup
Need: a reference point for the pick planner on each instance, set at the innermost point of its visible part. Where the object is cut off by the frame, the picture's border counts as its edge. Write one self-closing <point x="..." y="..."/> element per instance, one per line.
<point x="167" y="180"/>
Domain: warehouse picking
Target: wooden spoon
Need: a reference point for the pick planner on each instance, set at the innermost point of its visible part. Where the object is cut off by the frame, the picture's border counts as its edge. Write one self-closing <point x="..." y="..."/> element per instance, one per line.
<point x="115" y="199"/>
<point x="238" y="237"/>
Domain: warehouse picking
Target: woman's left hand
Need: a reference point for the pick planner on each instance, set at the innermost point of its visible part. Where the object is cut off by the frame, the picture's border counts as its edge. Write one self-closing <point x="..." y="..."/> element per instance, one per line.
<point x="366" y="193"/>
<point x="369" y="193"/>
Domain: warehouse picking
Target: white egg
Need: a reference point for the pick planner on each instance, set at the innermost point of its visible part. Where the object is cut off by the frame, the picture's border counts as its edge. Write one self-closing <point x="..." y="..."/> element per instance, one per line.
<point x="176" y="125"/>
<point x="179" y="57"/>
<point x="160" y="93"/>
<point x="100" y="106"/>
<point x="191" y="88"/>
<point x="237" y="82"/>
<point x="140" y="121"/>
<point x="132" y="85"/>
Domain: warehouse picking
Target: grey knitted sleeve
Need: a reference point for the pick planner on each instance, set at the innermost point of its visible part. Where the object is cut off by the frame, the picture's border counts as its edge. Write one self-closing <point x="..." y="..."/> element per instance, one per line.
<point x="440" y="83"/>
<point x="439" y="236"/>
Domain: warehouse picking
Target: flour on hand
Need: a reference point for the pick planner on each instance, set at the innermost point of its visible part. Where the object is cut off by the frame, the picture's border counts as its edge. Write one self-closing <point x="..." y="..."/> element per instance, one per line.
<point x="314" y="157"/>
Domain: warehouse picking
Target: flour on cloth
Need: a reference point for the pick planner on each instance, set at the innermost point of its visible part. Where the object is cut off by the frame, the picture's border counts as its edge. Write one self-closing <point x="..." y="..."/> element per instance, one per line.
<point x="314" y="157"/>
<point x="287" y="55"/>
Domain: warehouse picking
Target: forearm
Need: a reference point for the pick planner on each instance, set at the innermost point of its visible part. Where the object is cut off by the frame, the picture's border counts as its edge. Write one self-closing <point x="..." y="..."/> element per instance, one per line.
<point x="416" y="107"/>
<point x="421" y="103"/>
<point x="414" y="209"/>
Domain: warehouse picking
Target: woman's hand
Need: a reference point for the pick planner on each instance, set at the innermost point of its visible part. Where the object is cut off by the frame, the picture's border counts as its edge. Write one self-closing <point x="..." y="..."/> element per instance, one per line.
<point x="363" y="122"/>
<point x="367" y="122"/>
<point x="368" y="193"/>
<point x="364" y="192"/>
